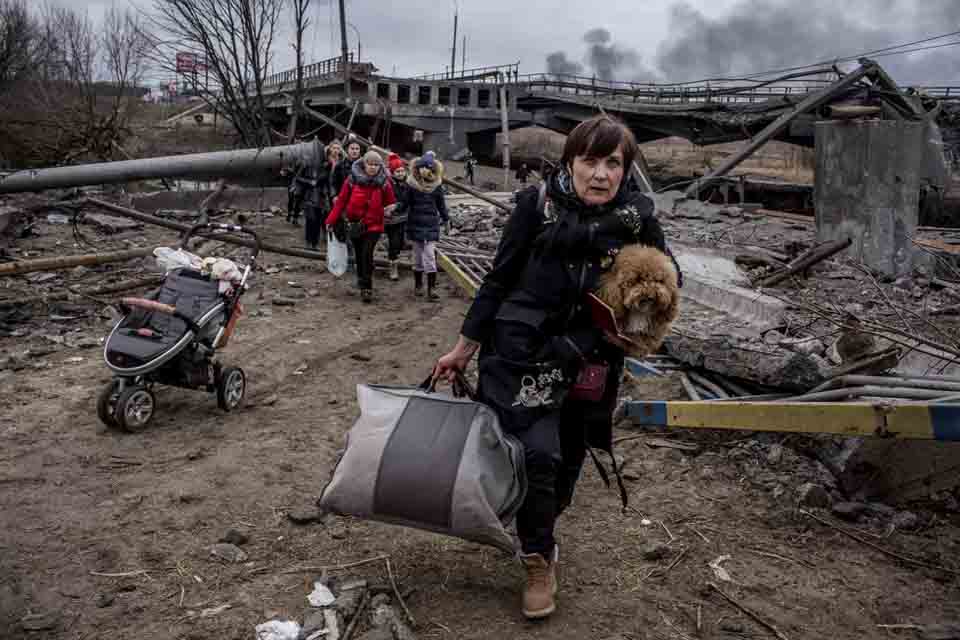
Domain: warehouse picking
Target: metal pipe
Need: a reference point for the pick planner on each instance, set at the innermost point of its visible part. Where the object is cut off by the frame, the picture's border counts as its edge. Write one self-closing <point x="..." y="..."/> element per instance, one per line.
<point x="849" y="393"/>
<point x="887" y="381"/>
<point x="215" y="164"/>
<point x="707" y="384"/>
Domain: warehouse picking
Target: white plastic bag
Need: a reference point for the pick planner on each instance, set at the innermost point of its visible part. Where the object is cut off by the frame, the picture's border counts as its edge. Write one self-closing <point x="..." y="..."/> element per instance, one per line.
<point x="337" y="256"/>
<point x="169" y="259"/>
<point x="278" y="630"/>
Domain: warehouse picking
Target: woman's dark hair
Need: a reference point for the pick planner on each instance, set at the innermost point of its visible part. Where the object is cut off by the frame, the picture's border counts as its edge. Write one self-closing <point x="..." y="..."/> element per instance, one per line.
<point x="598" y="137"/>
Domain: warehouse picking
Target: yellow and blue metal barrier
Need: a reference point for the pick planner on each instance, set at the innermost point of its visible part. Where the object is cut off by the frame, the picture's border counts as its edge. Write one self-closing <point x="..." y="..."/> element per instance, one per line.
<point x="911" y="421"/>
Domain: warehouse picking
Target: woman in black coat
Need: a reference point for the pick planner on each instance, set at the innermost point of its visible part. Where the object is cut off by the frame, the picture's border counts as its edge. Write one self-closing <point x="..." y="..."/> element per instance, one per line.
<point x="535" y="334"/>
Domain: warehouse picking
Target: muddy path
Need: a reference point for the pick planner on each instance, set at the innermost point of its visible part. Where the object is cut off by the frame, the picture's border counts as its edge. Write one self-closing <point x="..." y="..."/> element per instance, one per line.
<point x="77" y="501"/>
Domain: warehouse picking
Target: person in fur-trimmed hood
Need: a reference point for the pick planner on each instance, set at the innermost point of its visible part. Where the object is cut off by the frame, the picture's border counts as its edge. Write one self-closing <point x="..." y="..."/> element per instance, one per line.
<point x="424" y="205"/>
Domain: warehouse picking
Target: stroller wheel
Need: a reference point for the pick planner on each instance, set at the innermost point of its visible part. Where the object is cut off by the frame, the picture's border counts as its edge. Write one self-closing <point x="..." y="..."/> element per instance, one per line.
<point x="107" y="405"/>
<point x="231" y="388"/>
<point x="135" y="408"/>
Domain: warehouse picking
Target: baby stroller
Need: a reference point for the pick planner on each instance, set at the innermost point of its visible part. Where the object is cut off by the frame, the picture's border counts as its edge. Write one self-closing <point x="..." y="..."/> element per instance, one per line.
<point x="171" y="337"/>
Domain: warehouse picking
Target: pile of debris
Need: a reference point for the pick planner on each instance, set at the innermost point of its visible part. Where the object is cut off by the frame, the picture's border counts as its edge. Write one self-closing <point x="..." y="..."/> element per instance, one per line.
<point x="341" y="609"/>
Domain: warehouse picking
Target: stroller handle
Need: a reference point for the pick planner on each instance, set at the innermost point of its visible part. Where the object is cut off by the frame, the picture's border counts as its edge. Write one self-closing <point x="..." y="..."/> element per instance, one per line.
<point x="219" y="226"/>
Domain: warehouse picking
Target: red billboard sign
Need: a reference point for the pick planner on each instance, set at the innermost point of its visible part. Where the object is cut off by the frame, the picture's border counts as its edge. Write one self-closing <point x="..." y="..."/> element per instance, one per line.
<point x="187" y="62"/>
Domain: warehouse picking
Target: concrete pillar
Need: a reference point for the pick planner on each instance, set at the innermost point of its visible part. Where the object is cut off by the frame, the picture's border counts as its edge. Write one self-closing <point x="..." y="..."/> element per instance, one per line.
<point x="868" y="188"/>
<point x="434" y="94"/>
<point x="394" y="92"/>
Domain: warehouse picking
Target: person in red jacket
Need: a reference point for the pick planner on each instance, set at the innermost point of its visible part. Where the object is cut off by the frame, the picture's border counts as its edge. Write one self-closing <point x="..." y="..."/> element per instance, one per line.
<point x="361" y="202"/>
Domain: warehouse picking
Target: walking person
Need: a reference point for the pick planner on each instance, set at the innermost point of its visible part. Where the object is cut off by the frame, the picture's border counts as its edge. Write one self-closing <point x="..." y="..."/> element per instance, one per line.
<point x="470" y="165"/>
<point x="344" y="169"/>
<point x="396" y="221"/>
<point x="535" y="334"/>
<point x="361" y="202"/>
<point x="425" y="209"/>
<point x="317" y="199"/>
<point x="523" y="173"/>
<point x="295" y="191"/>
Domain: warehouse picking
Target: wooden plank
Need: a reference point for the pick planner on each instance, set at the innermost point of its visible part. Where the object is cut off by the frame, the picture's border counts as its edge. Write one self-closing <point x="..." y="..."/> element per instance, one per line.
<point x="463" y="280"/>
<point x="913" y="421"/>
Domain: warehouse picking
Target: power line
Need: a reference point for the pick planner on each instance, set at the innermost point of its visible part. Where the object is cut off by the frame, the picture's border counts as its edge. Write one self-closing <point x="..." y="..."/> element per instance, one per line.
<point x="857" y="56"/>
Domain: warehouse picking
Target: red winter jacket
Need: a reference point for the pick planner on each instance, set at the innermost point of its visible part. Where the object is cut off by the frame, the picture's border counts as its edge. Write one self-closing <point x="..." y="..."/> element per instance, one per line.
<point x="363" y="202"/>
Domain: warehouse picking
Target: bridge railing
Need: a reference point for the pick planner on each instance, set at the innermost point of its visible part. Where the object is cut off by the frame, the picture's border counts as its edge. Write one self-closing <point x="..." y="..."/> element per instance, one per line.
<point x="719" y="91"/>
<point x="495" y="74"/>
<point x="323" y="68"/>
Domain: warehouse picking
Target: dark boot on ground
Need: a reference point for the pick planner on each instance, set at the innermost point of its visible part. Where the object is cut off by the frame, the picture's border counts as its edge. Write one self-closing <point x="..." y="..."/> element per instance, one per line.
<point x="366" y="295"/>
<point x="541" y="585"/>
<point x="432" y="287"/>
<point x="418" y="283"/>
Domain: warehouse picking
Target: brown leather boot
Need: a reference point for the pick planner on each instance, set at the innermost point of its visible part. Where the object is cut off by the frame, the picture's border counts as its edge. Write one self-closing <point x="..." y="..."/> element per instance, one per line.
<point x="541" y="585"/>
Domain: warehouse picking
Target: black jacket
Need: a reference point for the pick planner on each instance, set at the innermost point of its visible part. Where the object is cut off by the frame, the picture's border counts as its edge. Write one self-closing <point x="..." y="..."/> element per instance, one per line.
<point x="316" y="186"/>
<point x="339" y="175"/>
<point x="530" y="314"/>
<point x="424" y="210"/>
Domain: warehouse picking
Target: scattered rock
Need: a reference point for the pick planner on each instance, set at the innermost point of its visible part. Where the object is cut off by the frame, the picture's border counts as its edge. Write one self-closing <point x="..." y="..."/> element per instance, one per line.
<point x="775" y="455"/>
<point x="228" y="552"/>
<point x="906" y="521"/>
<point x="348" y="599"/>
<point x="631" y="476"/>
<point x="282" y="301"/>
<point x="105" y="600"/>
<point x="305" y="515"/>
<point x="338" y="533"/>
<point x="359" y="357"/>
<point x="813" y="495"/>
<point x="235" y="537"/>
<point x="38" y="621"/>
<point x="850" y="511"/>
<point x="654" y="551"/>
<point x="732" y="627"/>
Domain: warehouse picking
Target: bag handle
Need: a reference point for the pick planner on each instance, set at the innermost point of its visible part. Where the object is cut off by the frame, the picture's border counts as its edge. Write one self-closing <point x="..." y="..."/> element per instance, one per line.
<point x="461" y="386"/>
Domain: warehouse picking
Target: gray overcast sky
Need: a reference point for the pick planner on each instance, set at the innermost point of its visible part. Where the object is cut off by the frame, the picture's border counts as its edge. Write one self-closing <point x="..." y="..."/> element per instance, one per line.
<point x="633" y="39"/>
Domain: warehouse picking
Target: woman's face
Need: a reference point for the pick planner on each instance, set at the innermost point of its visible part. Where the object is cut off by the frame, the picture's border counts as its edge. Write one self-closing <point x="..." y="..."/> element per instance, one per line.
<point x="353" y="150"/>
<point x="335" y="152"/>
<point x="400" y="174"/>
<point x="372" y="168"/>
<point x="597" y="180"/>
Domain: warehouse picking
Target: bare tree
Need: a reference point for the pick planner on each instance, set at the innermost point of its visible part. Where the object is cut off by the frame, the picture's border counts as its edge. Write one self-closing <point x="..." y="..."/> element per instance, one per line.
<point x="300" y="24"/>
<point x="78" y="99"/>
<point x="234" y="40"/>
<point x="24" y="44"/>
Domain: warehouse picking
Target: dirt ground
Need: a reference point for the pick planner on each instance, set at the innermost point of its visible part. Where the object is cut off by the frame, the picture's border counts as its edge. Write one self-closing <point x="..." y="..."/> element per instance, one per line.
<point x="77" y="500"/>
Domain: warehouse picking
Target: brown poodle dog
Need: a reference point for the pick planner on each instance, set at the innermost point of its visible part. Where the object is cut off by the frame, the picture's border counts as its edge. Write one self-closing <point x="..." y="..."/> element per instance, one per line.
<point x="641" y="288"/>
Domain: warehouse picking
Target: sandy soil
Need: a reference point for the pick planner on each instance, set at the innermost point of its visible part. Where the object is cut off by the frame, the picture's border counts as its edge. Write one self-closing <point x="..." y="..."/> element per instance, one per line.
<point x="77" y="500"/>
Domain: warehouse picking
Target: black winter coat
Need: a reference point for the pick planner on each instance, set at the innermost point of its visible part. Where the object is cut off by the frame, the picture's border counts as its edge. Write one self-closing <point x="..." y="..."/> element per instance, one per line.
<point x="316" y="186"/>
<point x="340" y="174"/>
<point x="530" y="314"/>
<point x="425" y="211"/>
<point x="400" y="189"/>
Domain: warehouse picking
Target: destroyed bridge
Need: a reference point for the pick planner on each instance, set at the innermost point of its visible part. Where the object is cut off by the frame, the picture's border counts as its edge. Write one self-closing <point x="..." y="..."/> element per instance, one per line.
<point x="466" y="110"/>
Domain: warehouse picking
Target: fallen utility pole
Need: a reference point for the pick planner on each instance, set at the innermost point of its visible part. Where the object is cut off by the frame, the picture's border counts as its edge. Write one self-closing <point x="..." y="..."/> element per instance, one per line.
<point x="804" y="262"/>
<point x="369" y="143"/>
<point x="217" y="163"/>
<point x="69" y="262"/>
<point x="505" y="132"/>
<point x="243" y="242"/>
<point x="808" y="104"/>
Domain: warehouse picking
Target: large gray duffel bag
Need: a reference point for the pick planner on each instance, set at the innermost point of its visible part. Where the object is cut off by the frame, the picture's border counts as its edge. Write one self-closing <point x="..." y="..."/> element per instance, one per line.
<point x="430" y="461"/>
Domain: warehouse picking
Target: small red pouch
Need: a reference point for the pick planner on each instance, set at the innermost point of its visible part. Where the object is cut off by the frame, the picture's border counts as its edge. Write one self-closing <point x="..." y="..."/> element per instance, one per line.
<point x="591" y="383"/>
